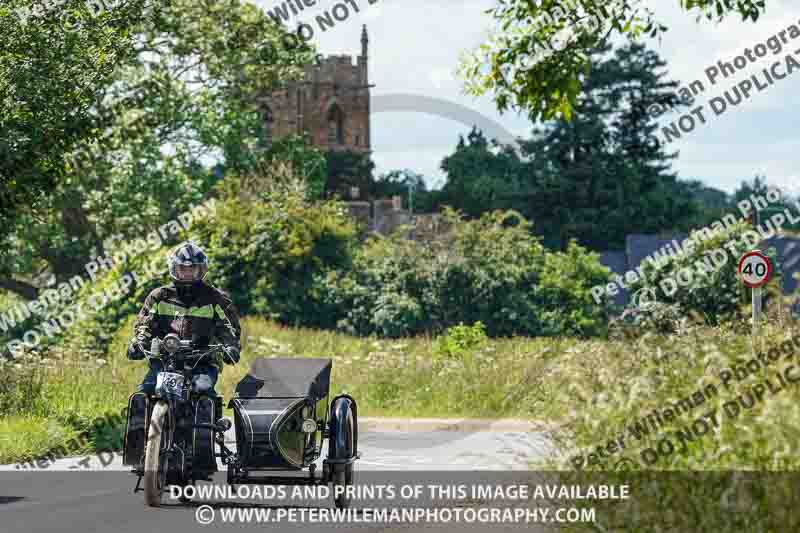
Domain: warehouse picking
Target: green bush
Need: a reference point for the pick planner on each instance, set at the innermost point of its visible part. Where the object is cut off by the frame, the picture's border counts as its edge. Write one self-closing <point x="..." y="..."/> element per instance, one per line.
<point x="28" y="437"/>
<point x="22" y="386"/>
<point x="267" y="245"/>
<point x="713" y="296"/>
<point x="289" y="258"/>
<point x="490" y="270"/>
<point x="657" y="317"/>
<point x="460" y="339"/>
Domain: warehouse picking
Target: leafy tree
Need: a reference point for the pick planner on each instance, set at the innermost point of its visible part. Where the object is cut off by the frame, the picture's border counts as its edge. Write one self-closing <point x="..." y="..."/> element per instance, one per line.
<point x="709" y="197"/>
<point x="269" y="245"/>
<point x="56" y="65"/>
<point x="539" y="56"/>
<point x="714" y="203"/>
<point x="306" y="161"/>
<point x="187" y="99"/>
<point x="713" y="296"/>
<point x="480" y="175"/>
<point x="348" y="169"/>
<point x="595" y="178"/>
<point x="757" y="187"/>
<point x="603" y="175"/>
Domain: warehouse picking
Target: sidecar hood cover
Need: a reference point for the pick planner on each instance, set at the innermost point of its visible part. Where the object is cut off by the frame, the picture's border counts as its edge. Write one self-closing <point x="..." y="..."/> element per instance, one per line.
<point x="283" y="377"/>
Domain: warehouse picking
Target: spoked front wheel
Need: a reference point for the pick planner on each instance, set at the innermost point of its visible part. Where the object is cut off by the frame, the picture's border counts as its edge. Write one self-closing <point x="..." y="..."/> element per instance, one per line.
<point x="155" y="470"/>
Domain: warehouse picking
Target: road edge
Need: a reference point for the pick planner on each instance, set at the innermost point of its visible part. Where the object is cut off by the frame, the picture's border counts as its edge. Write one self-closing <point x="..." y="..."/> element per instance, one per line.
<point x="422" y="425"/>
<point x="450" y="424"/>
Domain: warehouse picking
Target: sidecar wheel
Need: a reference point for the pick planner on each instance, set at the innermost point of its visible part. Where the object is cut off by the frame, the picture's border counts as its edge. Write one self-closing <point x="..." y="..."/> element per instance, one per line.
<point x="155" y="473"/>
<point x="342" y="446"/>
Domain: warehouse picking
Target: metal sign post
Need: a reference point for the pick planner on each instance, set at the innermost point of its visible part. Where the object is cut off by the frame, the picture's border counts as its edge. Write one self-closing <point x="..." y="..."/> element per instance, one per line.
<point x="756" y="309"/>
<point x="755" y="270"/>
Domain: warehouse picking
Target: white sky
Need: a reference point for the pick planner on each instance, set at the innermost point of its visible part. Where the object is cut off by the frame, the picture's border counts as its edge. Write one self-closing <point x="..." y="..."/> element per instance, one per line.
<point x="415" y="46"/>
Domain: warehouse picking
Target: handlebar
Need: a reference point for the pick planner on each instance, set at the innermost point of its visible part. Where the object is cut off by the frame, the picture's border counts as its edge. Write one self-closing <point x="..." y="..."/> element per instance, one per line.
<point x="193" y="354"/>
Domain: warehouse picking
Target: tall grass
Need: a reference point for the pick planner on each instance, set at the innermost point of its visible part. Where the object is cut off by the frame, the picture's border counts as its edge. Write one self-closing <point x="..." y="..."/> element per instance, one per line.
<point x="588" y="391"/>
<point x="598" y="389"/>
<point x="410" y="377"/>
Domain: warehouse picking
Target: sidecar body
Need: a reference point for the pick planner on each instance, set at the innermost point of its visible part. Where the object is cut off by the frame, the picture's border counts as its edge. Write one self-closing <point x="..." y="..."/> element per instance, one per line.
<point x="283" y="419"/>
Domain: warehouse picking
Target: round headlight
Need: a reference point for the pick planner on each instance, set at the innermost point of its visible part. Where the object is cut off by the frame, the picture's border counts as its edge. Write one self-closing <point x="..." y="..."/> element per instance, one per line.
<point x="171" y="342"/>
<point x="309" y="426"/>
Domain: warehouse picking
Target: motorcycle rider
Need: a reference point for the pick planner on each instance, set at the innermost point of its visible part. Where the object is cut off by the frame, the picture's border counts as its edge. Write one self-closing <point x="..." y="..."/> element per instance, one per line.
<point x="193" y="310"/>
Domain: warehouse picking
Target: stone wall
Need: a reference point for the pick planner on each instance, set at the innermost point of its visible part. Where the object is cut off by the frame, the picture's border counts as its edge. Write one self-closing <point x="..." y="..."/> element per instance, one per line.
<point x="428" y="227"/>
<point x="384" y="217"/>
<point x="361" y="212"/>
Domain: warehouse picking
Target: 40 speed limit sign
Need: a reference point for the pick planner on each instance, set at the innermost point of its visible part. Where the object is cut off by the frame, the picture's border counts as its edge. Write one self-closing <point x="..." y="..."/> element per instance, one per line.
<point x="755" y="269"/>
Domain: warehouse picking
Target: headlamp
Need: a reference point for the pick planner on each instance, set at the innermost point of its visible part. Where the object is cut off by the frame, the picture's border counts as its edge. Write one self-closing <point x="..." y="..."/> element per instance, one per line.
<point x="172" y="342"/>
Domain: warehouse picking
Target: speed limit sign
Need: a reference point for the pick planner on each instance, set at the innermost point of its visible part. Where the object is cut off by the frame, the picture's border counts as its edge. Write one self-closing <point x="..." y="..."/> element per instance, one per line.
<point x="755" y="269"/>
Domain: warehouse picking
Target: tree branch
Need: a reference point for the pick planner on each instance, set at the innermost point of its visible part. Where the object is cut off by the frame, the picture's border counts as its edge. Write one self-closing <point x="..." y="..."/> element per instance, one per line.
<point x="21" y="288"/>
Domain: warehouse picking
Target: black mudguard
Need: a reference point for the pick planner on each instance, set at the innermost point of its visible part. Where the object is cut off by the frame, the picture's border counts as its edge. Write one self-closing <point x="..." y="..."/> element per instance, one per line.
<point x="343" y="443"/>
<point x="205" y="412"/>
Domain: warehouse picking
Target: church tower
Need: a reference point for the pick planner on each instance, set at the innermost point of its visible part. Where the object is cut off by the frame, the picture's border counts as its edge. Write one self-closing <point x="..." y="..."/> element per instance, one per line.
<point x="330" y="103"/>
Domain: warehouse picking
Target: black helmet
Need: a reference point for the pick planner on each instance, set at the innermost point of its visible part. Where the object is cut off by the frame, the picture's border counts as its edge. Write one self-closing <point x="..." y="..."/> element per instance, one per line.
<point x="188" y="264"/>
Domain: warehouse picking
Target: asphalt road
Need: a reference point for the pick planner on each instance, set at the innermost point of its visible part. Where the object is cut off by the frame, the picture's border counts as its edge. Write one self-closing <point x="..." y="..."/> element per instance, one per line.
<point x="67" y="497"/>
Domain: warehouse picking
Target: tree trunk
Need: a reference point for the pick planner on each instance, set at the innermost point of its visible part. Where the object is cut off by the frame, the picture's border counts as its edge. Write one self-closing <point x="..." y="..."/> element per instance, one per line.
<point x="71" y="261"/>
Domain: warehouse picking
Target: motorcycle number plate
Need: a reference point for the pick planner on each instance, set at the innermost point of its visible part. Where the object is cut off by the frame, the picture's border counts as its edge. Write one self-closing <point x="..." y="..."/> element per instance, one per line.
<point x="169" y="384"/>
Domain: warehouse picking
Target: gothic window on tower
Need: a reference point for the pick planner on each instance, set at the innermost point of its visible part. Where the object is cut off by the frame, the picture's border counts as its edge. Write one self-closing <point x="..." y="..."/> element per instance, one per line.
<point x="336" y="125"/>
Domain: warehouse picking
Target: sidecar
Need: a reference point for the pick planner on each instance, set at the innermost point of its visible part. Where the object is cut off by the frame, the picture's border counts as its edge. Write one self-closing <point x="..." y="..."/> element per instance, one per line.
<point x="282" y="420"/>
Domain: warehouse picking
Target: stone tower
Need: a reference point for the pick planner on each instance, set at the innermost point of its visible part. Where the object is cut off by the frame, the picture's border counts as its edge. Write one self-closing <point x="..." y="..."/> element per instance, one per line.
<point x="330" y="103"/>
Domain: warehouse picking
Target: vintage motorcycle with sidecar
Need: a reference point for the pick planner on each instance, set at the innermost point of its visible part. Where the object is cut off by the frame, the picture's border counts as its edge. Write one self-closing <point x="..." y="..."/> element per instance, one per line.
<point x="282" y="420"/>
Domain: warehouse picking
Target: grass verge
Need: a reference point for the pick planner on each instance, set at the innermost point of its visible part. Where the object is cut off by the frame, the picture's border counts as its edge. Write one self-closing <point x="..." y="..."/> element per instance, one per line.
<point x="407" y="378"/>
<point x="592" y="391"/>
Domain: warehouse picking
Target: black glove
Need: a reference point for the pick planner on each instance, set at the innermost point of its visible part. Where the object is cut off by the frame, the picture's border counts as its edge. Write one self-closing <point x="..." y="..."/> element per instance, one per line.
<point x="134" y="352"/>
<point x="230" y="354"/>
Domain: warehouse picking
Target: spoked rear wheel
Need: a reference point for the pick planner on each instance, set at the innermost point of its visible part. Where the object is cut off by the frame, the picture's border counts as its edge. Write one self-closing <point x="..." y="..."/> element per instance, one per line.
<point x="155" y="470"/>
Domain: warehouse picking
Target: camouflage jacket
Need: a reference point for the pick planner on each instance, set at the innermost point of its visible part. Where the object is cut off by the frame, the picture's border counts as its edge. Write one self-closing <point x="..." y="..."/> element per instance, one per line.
<point x="210" y="314"/>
